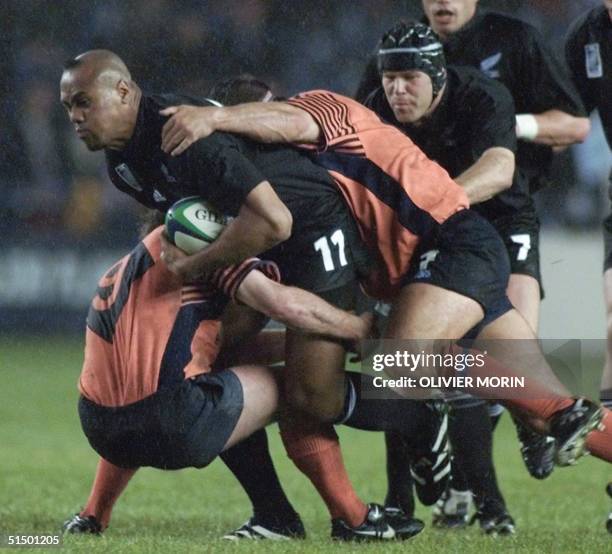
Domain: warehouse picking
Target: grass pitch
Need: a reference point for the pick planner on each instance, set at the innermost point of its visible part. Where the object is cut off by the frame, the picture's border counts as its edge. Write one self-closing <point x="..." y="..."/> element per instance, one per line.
<point x="46" y="469"/>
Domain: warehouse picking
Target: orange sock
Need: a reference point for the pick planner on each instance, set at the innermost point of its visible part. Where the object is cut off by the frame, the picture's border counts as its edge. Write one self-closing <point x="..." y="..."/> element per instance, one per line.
<point x="316" y="453"/>
<point x="599" y="443"/>
<point x="108" y="485"/>
<point x="535" y="400"/>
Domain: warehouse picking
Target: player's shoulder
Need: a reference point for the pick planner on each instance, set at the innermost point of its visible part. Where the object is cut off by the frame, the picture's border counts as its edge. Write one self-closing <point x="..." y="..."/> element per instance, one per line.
<point x="166" y="99"/>
<point x="594" y="20"/>
<point x="504" y="25"/>
<point x="470" y="83"/>
<point x="327" y="98"/>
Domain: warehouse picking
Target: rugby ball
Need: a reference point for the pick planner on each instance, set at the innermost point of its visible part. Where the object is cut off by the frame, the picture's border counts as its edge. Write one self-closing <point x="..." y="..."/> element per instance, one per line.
<point x="192" y="224"/>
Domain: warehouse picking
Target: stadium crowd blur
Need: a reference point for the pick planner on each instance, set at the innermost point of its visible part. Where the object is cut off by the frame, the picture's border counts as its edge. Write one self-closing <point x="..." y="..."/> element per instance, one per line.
<point x="51" y="185"/>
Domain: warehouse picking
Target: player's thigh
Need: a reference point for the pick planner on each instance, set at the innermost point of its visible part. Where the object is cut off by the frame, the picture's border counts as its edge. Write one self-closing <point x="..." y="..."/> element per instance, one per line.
<point x="457" y="279"/>
<point x="524" y="294"/>
<point x="314" y="375"/>
<point x="260" y="391"/>
<point x="520" y="233"/>
<point x="423" y="311"/>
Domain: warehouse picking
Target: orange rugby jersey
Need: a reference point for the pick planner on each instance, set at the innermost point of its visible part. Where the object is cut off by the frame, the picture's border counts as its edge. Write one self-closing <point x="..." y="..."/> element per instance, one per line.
<point x="396" y="193"/>
<point x="145" y="330"/>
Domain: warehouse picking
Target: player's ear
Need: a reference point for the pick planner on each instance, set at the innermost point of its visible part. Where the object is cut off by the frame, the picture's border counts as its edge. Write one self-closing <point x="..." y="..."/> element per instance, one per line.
<point x="124" y="90"/>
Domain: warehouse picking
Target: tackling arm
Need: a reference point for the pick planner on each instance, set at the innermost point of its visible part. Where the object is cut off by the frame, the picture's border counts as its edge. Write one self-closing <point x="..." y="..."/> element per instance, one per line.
<point x="300" y="309"/>
<point x="271" y="122"/>
<point x="490" y="175"/>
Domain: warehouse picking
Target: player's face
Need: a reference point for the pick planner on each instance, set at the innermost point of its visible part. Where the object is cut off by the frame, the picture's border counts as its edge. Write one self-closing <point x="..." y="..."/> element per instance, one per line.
<point x="608" y="5"/>
<point x="94" y="108"/>
<point x="409" y="94"/>
<point x="448" y="16"/>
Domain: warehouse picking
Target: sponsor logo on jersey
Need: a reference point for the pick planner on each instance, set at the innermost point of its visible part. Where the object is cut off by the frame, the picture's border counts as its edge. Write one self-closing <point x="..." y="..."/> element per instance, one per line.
<point x="128" y="177"/>
<point x="592" y="60"/>
<point x="489" y="65"/>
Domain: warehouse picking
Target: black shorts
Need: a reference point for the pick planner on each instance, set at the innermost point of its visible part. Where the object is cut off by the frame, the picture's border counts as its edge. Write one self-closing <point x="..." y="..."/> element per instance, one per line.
<point x="466" y="255"/>
<point x="184" y="425"/>
<point x="521" y="235"/>
<point x="323" y="257"/>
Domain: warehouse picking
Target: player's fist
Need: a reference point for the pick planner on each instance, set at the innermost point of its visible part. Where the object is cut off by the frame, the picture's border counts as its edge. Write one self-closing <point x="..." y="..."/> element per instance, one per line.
<point x="79" y="524"/>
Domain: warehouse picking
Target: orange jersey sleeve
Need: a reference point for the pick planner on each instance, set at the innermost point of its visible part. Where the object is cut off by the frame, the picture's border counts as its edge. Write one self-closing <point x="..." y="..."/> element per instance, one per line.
<point x="350" y="128"/>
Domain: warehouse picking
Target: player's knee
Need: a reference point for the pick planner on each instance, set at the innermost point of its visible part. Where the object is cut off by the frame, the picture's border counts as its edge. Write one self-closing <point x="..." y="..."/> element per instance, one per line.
<point x="316" y="403"/>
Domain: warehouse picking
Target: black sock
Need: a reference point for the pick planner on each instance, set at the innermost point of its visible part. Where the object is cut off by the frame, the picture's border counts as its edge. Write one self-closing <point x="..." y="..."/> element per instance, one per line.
<point x="472" y="442"/>
<point x="252" y="465"/>
<point x="399" y="480"/>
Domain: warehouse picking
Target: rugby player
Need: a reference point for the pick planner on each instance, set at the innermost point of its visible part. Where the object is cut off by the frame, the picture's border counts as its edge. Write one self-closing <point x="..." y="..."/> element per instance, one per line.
<point x="464" y="121"/>
<point x="293" y="218"/>
<point x="588" y="52"/>
<point x="443" y="265"/>
<point x="549" y="115"/>
<point x="148" y="396"/>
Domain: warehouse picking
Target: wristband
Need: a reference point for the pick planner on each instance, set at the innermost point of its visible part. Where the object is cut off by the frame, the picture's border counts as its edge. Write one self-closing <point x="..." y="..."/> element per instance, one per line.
<point x="526" y="126"/>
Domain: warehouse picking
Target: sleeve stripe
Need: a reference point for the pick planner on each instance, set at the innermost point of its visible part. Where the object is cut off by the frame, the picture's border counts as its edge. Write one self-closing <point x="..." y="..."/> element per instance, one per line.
<point x="332" y="112"/>
<point x="231" y="286"/>
<point x="327" y="120"/>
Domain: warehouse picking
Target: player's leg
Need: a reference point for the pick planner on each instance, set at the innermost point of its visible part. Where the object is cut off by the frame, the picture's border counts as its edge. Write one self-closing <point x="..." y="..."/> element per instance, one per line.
<point x="606" y="377"/>
<point x="524" y="294"/>
<point x="109" y="483"/>
<point x="273" y="516"/>
<point x="521" y="234"/>
<point x="260" y="392"/>
<point x="545" y="398"/>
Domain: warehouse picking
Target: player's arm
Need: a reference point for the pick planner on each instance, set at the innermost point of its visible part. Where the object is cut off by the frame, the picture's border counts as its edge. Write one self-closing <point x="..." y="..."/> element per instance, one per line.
<point x="109" y="483"/>
<point x="299" y="309"/>
<point x="488" y="126"/>
<point x="552" y="127"/>
<point x="557" y="116"/>
<point x="263" y="221"/>
<point x="490" y="175"/>
<point x="270" y="122"/>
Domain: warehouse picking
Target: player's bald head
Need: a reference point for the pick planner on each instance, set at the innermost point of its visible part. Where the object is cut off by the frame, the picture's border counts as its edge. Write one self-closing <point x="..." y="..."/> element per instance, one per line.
<point x="100" y="98"/>
<point x="103" y="66"/>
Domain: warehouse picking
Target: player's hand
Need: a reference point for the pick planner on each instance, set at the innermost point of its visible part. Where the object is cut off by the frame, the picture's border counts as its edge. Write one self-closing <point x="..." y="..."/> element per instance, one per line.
<point x="186" y="125"/>
<point x="369" y="333"/>
<point x="181" y="264"/>
<point x="82" y="525"/>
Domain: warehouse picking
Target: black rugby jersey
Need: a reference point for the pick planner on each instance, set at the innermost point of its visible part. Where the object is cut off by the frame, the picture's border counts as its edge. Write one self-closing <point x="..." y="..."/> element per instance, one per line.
<point x="223" y="169"/>
<point x="588" y="52"/>
<point x="474" y="114"/>
<point x="513" y="52"/>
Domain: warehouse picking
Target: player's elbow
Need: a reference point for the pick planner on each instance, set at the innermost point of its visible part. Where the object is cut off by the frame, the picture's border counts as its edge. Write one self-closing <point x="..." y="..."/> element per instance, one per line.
<point x="280" y="224"/>
<point x="507" y="166"/>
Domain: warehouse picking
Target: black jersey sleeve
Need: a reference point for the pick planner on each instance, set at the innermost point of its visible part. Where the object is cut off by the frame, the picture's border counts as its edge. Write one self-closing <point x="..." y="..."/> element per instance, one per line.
<point x="491" y="116"/>
<point x="221" y="172"/>
<point x="544" y="82"/>
<point x="574" y="56"/>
